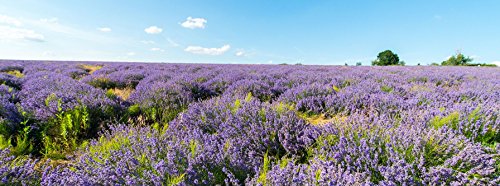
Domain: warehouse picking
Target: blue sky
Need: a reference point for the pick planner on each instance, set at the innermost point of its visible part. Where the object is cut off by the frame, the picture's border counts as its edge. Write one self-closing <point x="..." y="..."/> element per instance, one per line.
<point x="258" y="31"/>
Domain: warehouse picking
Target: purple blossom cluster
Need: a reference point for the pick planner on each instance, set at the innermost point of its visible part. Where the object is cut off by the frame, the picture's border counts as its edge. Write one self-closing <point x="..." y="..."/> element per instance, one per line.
<point x="44" y="92"/>
<point x="194" y="124"/>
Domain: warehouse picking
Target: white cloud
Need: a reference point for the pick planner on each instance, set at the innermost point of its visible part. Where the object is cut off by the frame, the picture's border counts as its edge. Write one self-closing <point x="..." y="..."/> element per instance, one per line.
<point x="193" y="23"/>
<point x="153" y="30"/>
<point x="12" y="33"/>
<point x="10" y="20"/>
<point x="131" y="54"/>
<point x="49" y="20"/>
<point x="240" y="53"/>
<point x="496" y="63"/>
<point x="208" y="51"/>
<point x="72" y="32"/>
<point x="157" y="49"/>
<point x="104" y="29"/>
<point x="147" y="42"/>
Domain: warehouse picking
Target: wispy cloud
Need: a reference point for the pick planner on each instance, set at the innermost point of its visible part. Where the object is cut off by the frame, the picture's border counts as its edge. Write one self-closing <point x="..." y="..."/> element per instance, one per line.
<point x="10" y="20"/>
<point x="148" y="42"/>
<point x="49" y="20"/>
<point x="131" y="54"/>
<point x="13" y="33"/>
<point x="193" y="23"/>
<point x="172" y="43"/>
<point x="240" y="53"/>
<point x="11" y="29"/>
<point x="104" y="29"/>
<point x="157" y="49"/>
<point x="153" y="30"/>
<point x="207" y="51"/>
<point x="70" y="31"/>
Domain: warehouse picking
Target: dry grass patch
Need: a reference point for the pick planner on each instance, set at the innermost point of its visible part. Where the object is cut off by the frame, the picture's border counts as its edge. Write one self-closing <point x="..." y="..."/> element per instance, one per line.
<point x="420" y="88"/>
<point x="90" y="68"/>
<point x="321" y="119"/>
<point x="123" y="93"/>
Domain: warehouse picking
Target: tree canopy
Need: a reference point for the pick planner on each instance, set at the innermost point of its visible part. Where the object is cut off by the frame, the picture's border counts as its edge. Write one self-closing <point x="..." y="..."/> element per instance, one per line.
<point x="386" y="58"/>
<point x="457" y="60"/>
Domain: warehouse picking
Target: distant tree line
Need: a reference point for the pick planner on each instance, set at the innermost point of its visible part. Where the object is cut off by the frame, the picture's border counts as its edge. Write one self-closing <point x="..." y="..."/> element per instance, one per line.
<point x="389" y="58"/>
<point x="460" y="59"/>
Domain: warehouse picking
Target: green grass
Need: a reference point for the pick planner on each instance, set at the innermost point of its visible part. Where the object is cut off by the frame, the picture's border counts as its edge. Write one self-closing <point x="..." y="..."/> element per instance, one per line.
<point x="451" y="120"/>
<point x="264" y="169"/>
<point x="386" y="88"/>
<point x="486" y="135"/>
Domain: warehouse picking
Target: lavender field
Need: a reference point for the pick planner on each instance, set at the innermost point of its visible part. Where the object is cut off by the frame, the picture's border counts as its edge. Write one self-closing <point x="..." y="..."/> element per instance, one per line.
<point x="89" y="123"/>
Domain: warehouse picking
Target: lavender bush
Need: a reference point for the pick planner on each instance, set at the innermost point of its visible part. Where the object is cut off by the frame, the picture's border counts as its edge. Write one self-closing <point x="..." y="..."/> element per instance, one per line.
<point x="184" y="124"/>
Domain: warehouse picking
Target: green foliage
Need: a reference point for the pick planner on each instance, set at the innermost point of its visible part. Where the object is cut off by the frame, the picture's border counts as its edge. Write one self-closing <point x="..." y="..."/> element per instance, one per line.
<point x="336" y="89"/>
<point x="104" y="83"/>
<point x="486" y="135"/>
<point x="105" y="146"/>
<point x="158" y="115"/>
<point x="346" y="83"/>
<point x="134" y="110"/>
<point x="248" y="98"/>
<point x="386" y="88"/>
<point x="435" y="152"/>
<point x="4" y="143"/>
<point x="236" y="106"/>
<point x="16" y="73"/>
<point x="23" y="144"/>
<point x="175" y="180"/>
<point x="193" y="146"/>
<point x="19" y="138"/>
<point x="317" y="176"/>
<point x="111" y="94"/>
<point x="265" y="168"/>
<point x="359" y="64"/>
<point x="450" y="120"/>
<point x="386" y="58"/>
<point x="49" y="99"/>
<point x="457" y="60"/>
<point x="65" y="132"/>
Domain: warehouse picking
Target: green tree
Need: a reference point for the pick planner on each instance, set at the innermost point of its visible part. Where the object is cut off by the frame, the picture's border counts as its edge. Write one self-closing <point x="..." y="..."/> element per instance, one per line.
<point x="359" y="64"/>
<point x="457" y="60"/>
<point x="386" y="58"/>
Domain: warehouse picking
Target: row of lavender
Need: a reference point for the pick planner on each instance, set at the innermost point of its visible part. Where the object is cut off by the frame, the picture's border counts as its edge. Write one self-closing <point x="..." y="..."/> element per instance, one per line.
<point x="135" y="124"/>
